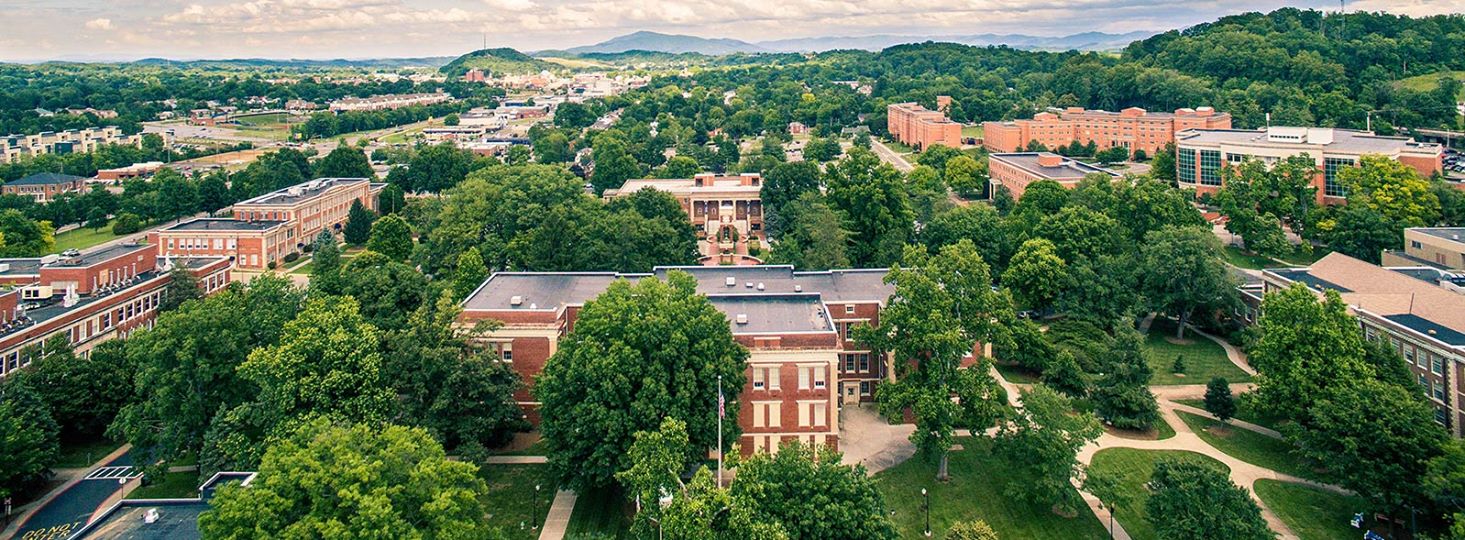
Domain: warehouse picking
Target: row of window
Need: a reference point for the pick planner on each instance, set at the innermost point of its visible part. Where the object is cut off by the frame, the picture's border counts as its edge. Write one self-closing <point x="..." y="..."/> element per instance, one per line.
<point x="810" y="377"/>
<point x="769" y="414"/>
<point x="856" y="362"/>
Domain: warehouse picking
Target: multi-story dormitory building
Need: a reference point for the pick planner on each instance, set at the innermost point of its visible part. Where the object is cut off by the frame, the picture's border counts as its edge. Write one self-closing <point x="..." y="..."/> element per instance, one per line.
<point x="797" y="326"/>
<point x="1132" y="128"/>
<point x="90" y="298"/>
<point x="921" y="128"/>
<point x="393" y="101"/>
<point x="1419" y="311"/>
<point x="71" y="141"/>
<point x="267" y="228"/>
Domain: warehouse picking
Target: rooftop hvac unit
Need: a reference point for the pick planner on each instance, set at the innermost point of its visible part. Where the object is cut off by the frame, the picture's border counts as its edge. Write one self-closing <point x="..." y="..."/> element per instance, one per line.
<point x="50" y="259"/>
<point x="760" y="285"/>
<point x="798" y="288"/>
<point x="748" y="284"/>
<point x="742" y="318"/>
<point x="732" y="281"/>
<point x="4" y="267"/>
<point x="516" y="300"/>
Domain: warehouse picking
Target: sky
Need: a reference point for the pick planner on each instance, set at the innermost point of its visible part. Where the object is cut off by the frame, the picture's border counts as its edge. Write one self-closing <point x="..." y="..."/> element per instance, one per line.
<point x="35" y="30"/>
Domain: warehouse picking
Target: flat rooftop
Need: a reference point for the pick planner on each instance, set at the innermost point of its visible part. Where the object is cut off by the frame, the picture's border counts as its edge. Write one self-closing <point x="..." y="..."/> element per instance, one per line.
<point x="1335" y="139"/>
<point x="1403" y="297"/>
<point x="300" y="192"/>
<point x="1456" y="234"/>
<point x="176" y="521"/>
<point x="775" y="298"/>
<point x="99" y="256"/>
<point x="224" y="224"/>
<point x="1069" y="169"/>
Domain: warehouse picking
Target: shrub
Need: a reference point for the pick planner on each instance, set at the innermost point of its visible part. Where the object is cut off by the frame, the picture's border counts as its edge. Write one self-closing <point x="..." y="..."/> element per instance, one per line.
<point x="292" y="257"/>
<point x="127" y="223"/>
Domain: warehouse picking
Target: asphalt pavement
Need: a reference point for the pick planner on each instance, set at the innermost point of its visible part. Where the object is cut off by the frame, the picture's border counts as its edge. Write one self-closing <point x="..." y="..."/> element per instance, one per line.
<point x="71" y="508"/>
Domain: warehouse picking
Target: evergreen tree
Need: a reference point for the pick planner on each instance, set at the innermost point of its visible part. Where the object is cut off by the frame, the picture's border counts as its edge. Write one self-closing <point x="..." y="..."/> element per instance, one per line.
<point x="358" y="224"/>
<point x="1219" y="401"/>
<point x="182" y="287"/>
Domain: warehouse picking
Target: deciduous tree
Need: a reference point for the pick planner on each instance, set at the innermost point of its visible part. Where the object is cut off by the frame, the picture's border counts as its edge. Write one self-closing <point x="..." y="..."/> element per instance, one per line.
<point x="391" y="236"/>
<point x="1194" y="500"/>
<point x="1183" y="271"/>
<point x="1039" y="447"/>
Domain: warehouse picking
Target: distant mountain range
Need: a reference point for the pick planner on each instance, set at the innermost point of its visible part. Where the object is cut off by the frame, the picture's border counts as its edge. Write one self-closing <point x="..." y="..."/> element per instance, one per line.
<point x="676" y="43"/>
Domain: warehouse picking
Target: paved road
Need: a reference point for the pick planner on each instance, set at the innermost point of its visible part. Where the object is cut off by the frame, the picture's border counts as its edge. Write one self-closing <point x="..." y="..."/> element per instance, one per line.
<point x="73" y="507"/>
<point x="889" y="156"/>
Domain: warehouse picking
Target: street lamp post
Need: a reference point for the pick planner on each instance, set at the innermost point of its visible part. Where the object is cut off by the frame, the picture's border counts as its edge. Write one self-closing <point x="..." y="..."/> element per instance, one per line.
<point x="927" y="496"/>
<point x="535" y="522"/>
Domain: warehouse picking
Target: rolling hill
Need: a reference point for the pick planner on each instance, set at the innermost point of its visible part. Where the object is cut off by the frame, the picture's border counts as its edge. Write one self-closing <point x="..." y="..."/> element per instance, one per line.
<point x="669" y="43"/>
<point x="497" y="61"/>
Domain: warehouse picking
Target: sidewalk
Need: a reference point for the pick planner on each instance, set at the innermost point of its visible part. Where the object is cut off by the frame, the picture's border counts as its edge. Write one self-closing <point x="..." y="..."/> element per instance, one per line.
<point x="557" y="521"/>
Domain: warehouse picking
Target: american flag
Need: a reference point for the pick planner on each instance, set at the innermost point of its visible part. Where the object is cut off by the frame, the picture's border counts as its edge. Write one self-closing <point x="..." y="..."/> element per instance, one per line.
<point x="721" y="405"/>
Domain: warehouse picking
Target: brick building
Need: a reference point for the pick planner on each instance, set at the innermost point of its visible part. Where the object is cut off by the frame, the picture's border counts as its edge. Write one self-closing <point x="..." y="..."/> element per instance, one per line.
<point x="43" y="187"/>
<point x="1015" y="171"/>
<point x="266" y="228"/>
<point x="393" y="101"/>
<point x="1420" y="312"/>
<point x="919" y="127"/>
<point x="726" y="210"/>
<point x="1201" y="153"/>
<point x="89" y="298"/>
<point x="1437" y="247"/>
<point x="1133" y="128"/>
<point x="797" y="326"/>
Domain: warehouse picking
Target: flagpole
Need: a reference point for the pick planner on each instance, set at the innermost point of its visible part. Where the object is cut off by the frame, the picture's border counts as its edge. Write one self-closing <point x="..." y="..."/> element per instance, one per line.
<point x="719" y="430"/>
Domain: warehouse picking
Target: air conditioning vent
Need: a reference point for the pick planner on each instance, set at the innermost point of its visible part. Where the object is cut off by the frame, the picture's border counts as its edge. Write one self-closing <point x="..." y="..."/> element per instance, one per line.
<point x="516" y="300"/>
<point x="742" y="318"/>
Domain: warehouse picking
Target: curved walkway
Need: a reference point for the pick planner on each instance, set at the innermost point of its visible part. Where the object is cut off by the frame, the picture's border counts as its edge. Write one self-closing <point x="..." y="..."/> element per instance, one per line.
<point x="1242" y="473"/>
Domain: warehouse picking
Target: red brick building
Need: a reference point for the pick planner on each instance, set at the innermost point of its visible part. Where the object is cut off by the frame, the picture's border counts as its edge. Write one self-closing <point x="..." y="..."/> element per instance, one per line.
<point x="919" y="127"/>
<point x="1133" y="128"/>
<point x="726" y="211"/>
<point x="89" y="298"/>
<point x="43" y="187"/>
<point x="267" y="228"/>
<point x="1016" y="170"/>
<point x="797" y="326"/>
<point x="1202" y="153"/>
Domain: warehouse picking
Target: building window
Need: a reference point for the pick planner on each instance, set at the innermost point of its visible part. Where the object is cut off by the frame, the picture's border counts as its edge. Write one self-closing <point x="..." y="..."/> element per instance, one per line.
<point x="865" y="388"/>
<point x="1331" y="187"/>
<point x="1185" y="158"/>
<point x="849" y="363"/>
<point x="864" y="362"/>
<point x="1436" y="365"/>
<point x="1210" y="167"/>
<point x="758" y="382"/>
<point x="849" y="309"/>
<point x="1439" y="416"/>
<point x="1439" y="391"/>
<point x="1415" y="244"/>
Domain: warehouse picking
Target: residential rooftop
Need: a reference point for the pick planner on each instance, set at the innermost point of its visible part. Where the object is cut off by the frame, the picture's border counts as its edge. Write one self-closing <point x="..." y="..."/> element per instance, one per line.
<point x="1404" y="298"/>
<point x="224" y="224"/>
<point x="1067" y="168"/>
<point x="44" y="178"/>
<point x="1456" y="234"/>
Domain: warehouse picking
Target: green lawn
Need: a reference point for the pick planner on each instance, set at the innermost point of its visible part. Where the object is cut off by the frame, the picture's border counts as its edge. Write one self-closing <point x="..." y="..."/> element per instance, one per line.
<point x="1248" y="446"/>
<point x="536" y="449"/>
<point x="173" y="485"/>
<point x="972" y="131"/>
<point x="1204" y="358"/>
<point x="83" y="454"/>
<point x="1430" y="81"/>
<point x="512" y="502"/>
<point x="1244" y="412"/>
<point x="1160" y="432"/>
<point x="974" y="492"/>
<point x="1241" y="259"/>
<point x="1134" y="468"/>
<point x="1016" y="375"/>
<point x="602" y="512"/>
<point x="899" y="147"/>
<point x="82" y="238"/>
<point x="1312" y="513"/>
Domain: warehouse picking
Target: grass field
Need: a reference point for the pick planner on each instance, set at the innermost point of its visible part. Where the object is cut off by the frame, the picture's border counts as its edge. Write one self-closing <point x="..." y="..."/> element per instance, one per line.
<point x="1016" y="375"/>
<point x="1134" y="468"/>
<point x="1242" y="259"/>
<point x="83" y="454"/>
<point x="898" y="147"/>
<point x="602" y="513"/>
<point x="173" y="485"/>
<point x="83" y="238"/>
<point x="1430" y="81"/>
<point x="975" y="491"/>
<point x="1244" y="412"/>
<point x="512" y="502"/>
<point x="1248" y="446"/>
<point x="1160" y="432"/>
<point x="1312" y="513"/>
<point x="1203" y="358"/>
<point x="972" y="131"/>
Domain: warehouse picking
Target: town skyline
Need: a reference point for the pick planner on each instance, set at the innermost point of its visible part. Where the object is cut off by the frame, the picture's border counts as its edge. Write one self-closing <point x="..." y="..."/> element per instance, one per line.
<point x="360" y="29"/>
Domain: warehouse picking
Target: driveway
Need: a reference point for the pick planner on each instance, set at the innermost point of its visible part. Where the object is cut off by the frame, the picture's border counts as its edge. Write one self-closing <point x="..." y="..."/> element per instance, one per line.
<point x="74" y="506"/>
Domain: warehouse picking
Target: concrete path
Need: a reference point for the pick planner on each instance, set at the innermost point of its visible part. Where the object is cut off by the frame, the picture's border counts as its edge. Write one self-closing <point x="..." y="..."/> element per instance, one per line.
<point x="557" y="521"/>
<point x="867" y="439"/>
<point x="1232" y="422"/>
<point x="1242" y="473"/>
<point x="515" y="460"/>
<point x="1235" y="355"/>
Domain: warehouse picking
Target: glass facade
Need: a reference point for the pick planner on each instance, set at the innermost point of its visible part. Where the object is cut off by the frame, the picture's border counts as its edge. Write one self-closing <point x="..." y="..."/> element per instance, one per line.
<point x="1331" y="187"/>
<point x="1185" y="157"/>
<point x="1210" y="167"/>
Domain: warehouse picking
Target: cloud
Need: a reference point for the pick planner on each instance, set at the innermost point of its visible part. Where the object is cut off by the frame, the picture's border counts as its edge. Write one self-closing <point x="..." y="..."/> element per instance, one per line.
<point x="99" y="24"/>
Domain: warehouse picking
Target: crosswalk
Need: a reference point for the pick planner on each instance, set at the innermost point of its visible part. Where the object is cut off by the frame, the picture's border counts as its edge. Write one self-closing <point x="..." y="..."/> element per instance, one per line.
<point x="113" y="473"/>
